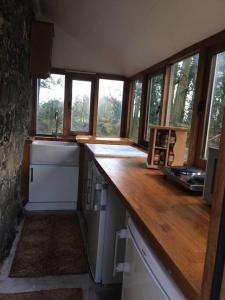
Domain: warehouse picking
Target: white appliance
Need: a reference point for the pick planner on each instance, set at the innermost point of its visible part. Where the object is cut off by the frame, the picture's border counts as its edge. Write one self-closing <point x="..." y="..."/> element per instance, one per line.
<point x="54" y="172"/>
<point x="101" y="150"/>
<point x="105" y="215"/>
<point x="144" y="276"/>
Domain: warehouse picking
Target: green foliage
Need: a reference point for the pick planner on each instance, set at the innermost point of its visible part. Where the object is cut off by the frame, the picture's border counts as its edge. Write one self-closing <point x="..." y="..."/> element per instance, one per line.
<point x="51" y="82"/>
<point x="80" y="114"/>
<point x="46" y="123"/>
<point x="135" y="109"/>
<point x="218" y="101"/>
<point x="184" y="75"/>
<point x="46" y="116"/>
<point x="155" y="99"/>
<point x="109" y="112"/>
<point x="182" y="92"/>
<point x="109" y="116"/>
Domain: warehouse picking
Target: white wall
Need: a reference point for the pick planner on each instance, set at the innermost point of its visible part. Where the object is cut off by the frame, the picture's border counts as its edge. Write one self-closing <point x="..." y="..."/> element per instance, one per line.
<point x="126" y="36"/>
<point x="71" y="54"/>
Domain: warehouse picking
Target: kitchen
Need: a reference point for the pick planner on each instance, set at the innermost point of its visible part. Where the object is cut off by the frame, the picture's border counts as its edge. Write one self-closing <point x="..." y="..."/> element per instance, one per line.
<point x="112" y="177"/>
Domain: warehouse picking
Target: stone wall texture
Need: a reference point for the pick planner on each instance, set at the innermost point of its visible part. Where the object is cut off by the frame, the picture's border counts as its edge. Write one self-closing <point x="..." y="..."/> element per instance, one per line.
<point x="15" y="108"/>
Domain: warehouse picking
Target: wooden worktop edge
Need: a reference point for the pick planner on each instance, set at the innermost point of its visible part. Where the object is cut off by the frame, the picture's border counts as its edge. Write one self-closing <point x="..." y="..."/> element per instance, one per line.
<point x="189" y="291"/>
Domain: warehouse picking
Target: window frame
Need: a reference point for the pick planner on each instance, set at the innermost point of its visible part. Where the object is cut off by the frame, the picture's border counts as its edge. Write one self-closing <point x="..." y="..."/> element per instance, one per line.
<point x="33" y="129"/>
<point x="68" y="103"/>
<point x="149" y="80"/>
<point x="124" y="103"/>
<point x="130" y="107"/>
<point x="85" y="76"/>
<point x="211" y="65"/>
<point x="165" y="67"/>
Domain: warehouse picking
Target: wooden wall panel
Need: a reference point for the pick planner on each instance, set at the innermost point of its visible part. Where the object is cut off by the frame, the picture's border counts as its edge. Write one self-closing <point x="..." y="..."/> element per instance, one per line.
<point x="214" y="228"/>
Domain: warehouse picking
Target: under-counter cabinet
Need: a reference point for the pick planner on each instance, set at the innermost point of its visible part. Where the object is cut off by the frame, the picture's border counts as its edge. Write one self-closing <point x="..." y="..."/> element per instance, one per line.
<point x="144" y="277"/>
<point x="54" y="172"/>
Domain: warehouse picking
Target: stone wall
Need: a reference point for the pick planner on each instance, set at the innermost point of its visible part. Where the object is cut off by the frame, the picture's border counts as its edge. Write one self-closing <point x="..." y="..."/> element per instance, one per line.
<point x="15" y="107"/>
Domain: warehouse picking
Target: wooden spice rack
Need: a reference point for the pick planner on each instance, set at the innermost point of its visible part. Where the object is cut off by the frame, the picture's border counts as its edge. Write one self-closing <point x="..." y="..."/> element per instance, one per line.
<point x="163" y="141"/>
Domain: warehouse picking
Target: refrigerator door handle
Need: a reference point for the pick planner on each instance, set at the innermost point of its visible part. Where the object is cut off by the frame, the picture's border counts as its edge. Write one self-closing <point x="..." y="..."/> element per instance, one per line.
<point x="121" y="267"/>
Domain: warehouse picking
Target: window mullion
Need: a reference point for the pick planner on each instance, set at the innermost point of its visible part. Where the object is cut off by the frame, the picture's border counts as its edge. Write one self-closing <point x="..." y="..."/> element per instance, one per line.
<point x="67" y="105"/>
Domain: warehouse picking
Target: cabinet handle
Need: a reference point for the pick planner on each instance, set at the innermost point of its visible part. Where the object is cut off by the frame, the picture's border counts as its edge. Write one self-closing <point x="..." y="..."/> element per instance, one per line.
<point x="120" y="234"/>
<point x="31" y="174"/>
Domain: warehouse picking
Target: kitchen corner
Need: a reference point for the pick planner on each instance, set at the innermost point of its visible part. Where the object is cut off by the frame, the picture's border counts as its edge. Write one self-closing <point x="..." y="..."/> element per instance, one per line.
<point x="172" y="220"/>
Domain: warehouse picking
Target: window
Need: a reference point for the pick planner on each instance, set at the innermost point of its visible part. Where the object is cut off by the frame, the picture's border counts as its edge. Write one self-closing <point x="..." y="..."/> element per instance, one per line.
<point x="216" y="103"/>
<point x="155" y="87"/>
<point x="182" y="92"/>
<point x="81" y="101"/>
<point x="109" y="107"/>
<point x="135" y="109"/>
<point x="50" y="104"/>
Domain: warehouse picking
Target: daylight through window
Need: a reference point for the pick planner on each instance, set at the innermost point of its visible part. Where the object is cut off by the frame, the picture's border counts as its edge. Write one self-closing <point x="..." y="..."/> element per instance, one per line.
<point x="216" y="103"/>
<point x="154" y="103"/>
<point x="81" y="101"/>
<point x="135" y="109"/>
<point x="50" y="104"/>
<point x="109" y="107"/>
<point x="181" y="95"/>
<point x="182" y="92"/>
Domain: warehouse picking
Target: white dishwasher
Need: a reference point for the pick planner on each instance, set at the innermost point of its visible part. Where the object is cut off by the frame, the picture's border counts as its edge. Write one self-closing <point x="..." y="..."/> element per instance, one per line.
<point x="144" y="277"/>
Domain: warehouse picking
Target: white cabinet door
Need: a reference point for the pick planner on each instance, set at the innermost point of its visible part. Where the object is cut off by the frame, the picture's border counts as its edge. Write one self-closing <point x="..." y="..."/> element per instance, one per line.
<point x="53" y="184"/>
<point x="138" y="283"/>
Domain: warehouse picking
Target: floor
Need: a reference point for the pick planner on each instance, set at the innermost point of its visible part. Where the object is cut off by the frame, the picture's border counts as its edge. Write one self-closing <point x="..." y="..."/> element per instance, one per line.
<point x="91" y="291"/>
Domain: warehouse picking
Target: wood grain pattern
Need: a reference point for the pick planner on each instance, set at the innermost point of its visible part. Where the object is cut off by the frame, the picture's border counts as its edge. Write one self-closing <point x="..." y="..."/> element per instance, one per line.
<point x="41" y="52"/>
<point x="174" y="221"/>
<point x="197" y="116"/>
<point x="214" y="229"/>
<point x="88" y="139"/>
<point x="25" y="171"/>
<point x="222" y="292"/>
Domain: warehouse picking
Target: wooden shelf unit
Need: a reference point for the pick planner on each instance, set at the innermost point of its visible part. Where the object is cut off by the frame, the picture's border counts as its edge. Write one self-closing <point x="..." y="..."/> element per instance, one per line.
<point x="155" y="144"/>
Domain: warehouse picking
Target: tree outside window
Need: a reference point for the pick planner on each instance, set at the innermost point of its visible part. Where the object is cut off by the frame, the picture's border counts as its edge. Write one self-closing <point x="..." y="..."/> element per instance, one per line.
<point x="182" y="94"/>
<point x="217" y="103"/>
<point x="50" y="101"/>
<point x="109" y="107"/>
<point x="135" y="109"/>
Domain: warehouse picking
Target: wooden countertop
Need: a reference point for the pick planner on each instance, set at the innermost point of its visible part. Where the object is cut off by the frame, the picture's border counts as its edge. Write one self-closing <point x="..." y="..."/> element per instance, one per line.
<point x="88" y="139"/>
<point x="174" y="221"/>
<point x="85" y="139"/>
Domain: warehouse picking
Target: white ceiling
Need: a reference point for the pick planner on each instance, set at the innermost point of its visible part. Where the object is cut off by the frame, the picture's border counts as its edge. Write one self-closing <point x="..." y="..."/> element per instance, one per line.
<point x="127" y="36"/>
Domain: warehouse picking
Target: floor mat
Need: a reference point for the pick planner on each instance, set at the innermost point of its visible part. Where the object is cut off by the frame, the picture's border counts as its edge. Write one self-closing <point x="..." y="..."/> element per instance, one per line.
<point x="49" y="245"/>
<point x="58" y="294"/>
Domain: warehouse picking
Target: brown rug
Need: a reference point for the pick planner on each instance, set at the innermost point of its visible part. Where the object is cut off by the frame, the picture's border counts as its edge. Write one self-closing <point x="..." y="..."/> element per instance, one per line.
<point x="49" y="245"/>
<point x="59" y="294"/>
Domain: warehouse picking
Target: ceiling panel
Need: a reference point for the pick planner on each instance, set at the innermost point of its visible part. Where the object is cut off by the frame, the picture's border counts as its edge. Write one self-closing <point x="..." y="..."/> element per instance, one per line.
<point x="127" y="36"/>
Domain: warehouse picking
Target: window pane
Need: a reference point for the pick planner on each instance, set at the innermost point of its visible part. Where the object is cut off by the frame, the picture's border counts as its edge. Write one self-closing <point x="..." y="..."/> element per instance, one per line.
<point x="50" y="103"/>
<point x="216" y="104"/>
<point x="135" y="109"/>
<point x="81" y="100"/>
<point x="181" y="95"/>
<point x="109" y="107"/>
<point x="182" y="92"/>
<point x="154" y="103"/>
